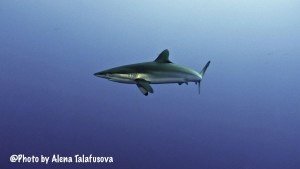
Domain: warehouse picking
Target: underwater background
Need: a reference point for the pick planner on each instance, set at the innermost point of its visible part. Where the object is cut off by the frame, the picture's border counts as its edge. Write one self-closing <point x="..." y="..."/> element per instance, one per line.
<point x="246" y="117"/>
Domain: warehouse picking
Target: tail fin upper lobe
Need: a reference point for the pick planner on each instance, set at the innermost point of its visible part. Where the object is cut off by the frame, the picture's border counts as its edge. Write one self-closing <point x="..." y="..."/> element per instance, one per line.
<point x="204" y="69"/>
<point x="202" y="74"/>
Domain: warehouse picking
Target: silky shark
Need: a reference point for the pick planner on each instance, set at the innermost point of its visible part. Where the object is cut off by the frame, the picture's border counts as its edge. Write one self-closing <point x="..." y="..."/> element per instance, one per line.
<point x="160" y="71"/>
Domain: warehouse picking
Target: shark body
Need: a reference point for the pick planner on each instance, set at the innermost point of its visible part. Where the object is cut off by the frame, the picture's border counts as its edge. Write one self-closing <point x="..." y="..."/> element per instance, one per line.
<point x="160" y="71"/>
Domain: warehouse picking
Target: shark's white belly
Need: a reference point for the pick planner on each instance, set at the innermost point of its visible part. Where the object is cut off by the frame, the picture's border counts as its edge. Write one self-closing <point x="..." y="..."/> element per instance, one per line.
<point x="155" y="77"/>
<point x="159" y="78"/>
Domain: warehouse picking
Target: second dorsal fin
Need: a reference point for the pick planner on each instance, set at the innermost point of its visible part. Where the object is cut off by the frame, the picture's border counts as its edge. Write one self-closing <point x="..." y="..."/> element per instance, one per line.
<point x="163" y="57"/>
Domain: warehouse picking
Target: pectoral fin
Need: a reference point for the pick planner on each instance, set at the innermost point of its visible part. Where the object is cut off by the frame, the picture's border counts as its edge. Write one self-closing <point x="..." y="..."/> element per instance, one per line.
<point x="144" y="86"/>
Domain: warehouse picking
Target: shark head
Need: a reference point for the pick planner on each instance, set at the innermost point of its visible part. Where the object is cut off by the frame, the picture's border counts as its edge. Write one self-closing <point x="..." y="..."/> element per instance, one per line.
<point x="118" y="74"/>
<point x="104" y="74"/>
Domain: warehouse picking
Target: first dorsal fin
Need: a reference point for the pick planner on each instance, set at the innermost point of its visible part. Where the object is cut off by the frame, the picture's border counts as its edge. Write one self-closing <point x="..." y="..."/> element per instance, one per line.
<point x="163" y="57"/>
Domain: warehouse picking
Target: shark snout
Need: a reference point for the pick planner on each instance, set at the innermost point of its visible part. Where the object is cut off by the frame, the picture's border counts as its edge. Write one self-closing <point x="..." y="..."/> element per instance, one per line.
<point x="104" y="74"/>
<point x="100" y="74"/>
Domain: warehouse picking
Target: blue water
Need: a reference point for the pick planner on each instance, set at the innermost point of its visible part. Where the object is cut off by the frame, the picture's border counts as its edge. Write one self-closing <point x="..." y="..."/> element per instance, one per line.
<point x="247" y="116"/>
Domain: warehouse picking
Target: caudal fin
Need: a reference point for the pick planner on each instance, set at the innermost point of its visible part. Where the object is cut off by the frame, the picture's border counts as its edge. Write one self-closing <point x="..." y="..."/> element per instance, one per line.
<point x="202" y="74"/>
<point x="204" y="69"/>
